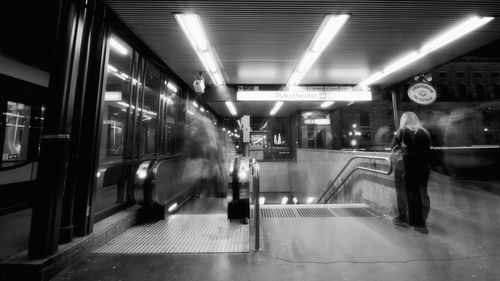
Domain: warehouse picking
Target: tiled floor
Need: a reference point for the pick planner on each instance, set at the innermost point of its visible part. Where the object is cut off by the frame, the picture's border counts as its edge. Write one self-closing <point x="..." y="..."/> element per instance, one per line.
<point x="463" y="244"/>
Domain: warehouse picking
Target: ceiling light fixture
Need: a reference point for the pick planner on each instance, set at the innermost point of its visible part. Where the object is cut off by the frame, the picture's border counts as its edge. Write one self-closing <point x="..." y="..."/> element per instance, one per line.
<point x="328" y="29"/>
<point x="193" y="29"/>
<point x="276" y="107"/>
<point x="231" y="108"/>
<point x="326" y="104"/>
<point x="447" y="37"/>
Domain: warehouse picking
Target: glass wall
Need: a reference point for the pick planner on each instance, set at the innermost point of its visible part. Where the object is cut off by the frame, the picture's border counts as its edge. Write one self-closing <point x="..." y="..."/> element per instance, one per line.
<point x="111" y="180"/>
<point x="171" y="102"/>
<point x="117" y="97"/>
<point x="142" y="111"/>
<point x="149" y="110"/>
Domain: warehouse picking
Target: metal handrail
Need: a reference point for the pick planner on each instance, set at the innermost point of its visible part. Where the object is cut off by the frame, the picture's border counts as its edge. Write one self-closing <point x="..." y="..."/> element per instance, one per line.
<point x="256" y="192"/>
<point x="331" y="185"/>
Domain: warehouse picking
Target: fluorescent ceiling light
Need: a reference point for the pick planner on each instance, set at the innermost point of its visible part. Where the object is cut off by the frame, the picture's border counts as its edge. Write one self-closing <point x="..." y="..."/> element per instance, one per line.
<point x="447" y="37"/>
<point x="328" y="29"/>
<point x="276" y="107"/>
<point x="231" y="108"/>
<point x="193" y="29"/>
<point x="119" y="47"/>
<point x="326" y="104"/>
<point x="172" y="87"/>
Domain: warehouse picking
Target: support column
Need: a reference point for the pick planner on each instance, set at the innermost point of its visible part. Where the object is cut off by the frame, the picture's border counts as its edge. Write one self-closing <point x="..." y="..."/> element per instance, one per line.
<point x="54" y="144"/>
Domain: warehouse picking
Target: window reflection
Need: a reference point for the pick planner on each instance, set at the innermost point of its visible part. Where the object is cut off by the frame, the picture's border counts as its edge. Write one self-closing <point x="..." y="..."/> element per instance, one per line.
<point x="171" y="101"/>
<point x="115" y="107"/>
<point x="111" y="182"/>
<point x="150" y="109"/>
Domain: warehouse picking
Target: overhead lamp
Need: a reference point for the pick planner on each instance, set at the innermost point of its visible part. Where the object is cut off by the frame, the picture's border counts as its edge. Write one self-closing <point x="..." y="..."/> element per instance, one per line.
<point x="195" y="104"/>
<point x="328" y="29"/>
<point x="193" y="29"/>
<point x="172" y="87"/>
<point x="231" y="108"/>
<point x="445" y="38"/>
<point x="326" y="104"/>
<point x="118" y="46"/>
<point x="276" y="107"/>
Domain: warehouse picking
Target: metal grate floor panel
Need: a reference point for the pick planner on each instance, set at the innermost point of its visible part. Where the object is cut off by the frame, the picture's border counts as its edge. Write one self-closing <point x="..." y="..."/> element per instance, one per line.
<point x="314" y="213"/>
<point x="317" y="211"/>
<point x="278" y="213"/>
<point x="182" y="234"/>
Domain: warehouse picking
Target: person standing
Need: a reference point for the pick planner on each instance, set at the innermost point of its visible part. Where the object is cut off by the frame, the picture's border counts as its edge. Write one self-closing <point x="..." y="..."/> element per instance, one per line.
<point x="413" y="177"/>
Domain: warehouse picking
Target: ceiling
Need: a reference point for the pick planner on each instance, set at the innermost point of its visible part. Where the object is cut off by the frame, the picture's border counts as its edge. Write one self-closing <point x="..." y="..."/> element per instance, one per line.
<point x="261" y="42"/>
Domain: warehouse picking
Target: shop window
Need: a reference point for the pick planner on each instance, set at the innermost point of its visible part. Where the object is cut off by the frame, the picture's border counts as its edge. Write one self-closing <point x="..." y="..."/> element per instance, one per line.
<point x="479" y="91"/>
<point x="496" y="89"/>
<point x="443" y="91"/>
<point x="462" y="91"/>
<point x="17" y="129"/>
<point x="461" y="74"/>
<point x="364" y="118"/>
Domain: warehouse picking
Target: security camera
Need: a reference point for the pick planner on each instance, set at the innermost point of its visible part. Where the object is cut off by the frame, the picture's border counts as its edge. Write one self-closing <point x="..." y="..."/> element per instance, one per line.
<point x="199" y="85"/>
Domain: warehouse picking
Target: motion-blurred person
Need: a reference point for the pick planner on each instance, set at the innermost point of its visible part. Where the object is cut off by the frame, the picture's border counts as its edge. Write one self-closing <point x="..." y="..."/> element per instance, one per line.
<point x="413" y="177"/>
<point x="205" y="163"/>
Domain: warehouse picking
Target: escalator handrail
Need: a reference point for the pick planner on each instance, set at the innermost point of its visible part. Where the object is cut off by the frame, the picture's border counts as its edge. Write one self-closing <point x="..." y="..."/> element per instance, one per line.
<point x="332" y="183"/>
<point x="144" y="189"/>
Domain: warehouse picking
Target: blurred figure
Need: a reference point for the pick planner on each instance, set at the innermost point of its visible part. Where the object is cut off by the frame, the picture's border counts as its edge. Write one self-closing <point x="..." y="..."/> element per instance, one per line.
<point x="204" y="168"/>
<point x="411" y="180"/>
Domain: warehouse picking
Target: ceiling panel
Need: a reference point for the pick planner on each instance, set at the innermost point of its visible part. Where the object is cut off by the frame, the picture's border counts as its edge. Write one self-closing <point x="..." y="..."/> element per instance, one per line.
<point x="261" y="42"/>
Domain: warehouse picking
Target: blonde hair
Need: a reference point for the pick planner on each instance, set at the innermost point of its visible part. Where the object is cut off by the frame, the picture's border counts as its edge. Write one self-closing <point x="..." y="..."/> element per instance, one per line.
<point x="410" y="120"/>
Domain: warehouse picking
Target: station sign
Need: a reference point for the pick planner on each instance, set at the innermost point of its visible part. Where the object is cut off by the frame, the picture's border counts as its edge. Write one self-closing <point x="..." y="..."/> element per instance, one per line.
<point x="317" y="121"/>
<point x="422" y="93"/>
<point x="304" y="96"/>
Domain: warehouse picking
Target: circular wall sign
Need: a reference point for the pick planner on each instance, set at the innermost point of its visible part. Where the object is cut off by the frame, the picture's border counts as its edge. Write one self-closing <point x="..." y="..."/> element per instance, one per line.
<point x="422" y="93"/>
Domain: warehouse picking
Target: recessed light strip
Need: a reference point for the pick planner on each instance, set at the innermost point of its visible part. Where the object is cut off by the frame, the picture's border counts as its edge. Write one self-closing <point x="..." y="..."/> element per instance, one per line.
<point x="326" y="104"/>
<point x="193" y="29"/>
<point x="328" y="29"/>
<point x="276" y="107"/>
<point x="231" y="108"/>
<point x="447" y="37"/>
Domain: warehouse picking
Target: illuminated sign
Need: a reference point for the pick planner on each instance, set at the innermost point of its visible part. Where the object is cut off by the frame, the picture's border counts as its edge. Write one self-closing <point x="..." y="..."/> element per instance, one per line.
<point x="319" y="121"/>
<point x="303" y="96"/>
<point x="422" y="93"/>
